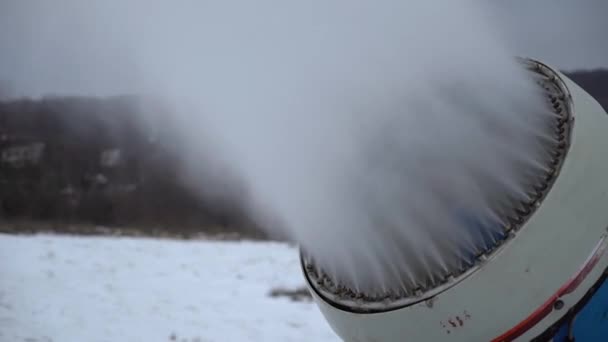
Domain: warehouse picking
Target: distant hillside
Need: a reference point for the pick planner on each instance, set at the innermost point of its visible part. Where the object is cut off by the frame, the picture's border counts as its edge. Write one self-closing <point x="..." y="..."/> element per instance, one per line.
<point x="595" y="82"/>
<point x="88" y="160"/>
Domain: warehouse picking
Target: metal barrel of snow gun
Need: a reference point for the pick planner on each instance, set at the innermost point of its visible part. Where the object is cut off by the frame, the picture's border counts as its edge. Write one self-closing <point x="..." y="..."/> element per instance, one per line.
<point x="545" y="281"/>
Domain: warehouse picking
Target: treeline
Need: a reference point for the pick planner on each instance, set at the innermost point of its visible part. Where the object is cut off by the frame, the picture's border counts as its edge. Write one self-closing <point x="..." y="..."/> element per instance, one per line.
<point x="98" y="161"/>
<point x="111" y="162"/>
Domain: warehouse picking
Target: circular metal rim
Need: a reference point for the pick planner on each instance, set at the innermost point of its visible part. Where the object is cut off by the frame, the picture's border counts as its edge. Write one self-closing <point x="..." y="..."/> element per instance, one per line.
<point x="562" y="101"/>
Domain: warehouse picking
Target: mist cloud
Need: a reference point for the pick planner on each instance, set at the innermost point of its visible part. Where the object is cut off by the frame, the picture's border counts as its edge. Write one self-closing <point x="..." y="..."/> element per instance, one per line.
<point x="358" y="128"/>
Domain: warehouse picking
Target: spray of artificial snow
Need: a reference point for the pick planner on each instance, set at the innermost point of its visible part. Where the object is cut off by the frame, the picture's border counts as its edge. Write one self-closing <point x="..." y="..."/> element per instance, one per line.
<point x="372" y="132"/>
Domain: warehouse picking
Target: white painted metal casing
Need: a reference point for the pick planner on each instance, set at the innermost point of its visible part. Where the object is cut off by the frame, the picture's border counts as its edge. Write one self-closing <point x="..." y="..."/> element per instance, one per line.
<point x="527" y="271"/>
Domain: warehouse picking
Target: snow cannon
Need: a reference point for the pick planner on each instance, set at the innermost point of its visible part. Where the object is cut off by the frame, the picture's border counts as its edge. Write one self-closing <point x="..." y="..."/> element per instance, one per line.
<point x="543" y="279"/>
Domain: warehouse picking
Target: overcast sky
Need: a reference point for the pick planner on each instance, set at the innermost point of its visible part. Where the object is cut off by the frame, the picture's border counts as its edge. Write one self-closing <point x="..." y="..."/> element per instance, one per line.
<point x="58" y="47"/>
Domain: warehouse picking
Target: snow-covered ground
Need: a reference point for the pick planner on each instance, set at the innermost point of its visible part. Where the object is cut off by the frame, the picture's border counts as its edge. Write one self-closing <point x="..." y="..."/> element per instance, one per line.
<point x="57" y="288"/>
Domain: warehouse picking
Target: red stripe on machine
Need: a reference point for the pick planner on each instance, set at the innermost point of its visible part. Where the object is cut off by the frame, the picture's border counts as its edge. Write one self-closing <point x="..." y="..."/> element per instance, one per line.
<point x="547" y="307"/>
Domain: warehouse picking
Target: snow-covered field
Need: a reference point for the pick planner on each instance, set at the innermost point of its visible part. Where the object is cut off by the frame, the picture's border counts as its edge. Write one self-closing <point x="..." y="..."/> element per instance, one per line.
<point x="87" y="289"/>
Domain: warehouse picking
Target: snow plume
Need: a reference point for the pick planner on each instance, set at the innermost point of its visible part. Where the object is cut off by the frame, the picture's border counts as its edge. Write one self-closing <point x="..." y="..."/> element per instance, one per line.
<point x="364" y="130"/>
